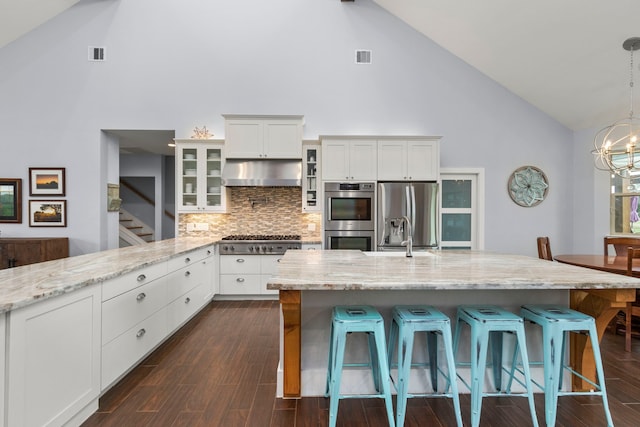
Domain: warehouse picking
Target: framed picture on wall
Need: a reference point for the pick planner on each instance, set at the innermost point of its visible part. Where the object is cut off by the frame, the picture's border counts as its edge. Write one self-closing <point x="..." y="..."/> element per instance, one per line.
<point x="11" y="200"/>
<point x="47" y="213"/>
<point x="46" y="182"/>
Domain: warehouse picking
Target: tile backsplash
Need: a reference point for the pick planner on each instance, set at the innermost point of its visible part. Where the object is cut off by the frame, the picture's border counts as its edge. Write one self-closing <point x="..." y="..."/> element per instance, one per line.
<point x="257" y="210"/>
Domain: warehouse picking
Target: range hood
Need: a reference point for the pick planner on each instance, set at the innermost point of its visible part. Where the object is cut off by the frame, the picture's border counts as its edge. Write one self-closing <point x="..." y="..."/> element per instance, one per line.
<point x="262" y="173"/>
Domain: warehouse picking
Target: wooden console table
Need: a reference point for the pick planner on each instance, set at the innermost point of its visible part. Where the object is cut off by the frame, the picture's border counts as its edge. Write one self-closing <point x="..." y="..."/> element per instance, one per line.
<point x="18" y="251"/>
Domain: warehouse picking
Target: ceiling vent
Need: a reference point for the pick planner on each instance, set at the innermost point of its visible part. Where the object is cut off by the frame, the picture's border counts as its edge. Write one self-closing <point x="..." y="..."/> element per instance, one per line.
<point x="363" y="57"/>
<point x="97" y="53"/>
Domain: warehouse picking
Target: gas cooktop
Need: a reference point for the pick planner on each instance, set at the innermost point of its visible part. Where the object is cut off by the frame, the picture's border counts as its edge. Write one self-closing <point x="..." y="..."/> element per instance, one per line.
<point x="262" y="237"/>
<point x="259" y="244"/>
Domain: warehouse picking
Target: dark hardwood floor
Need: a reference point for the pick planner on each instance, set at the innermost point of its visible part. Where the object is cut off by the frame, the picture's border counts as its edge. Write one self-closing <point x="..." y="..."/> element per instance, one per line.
<point x="220" y="370"/>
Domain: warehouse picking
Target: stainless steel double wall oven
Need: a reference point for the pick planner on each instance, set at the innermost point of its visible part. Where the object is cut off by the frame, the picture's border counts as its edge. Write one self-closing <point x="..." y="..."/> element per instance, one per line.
<point x="349" y="220"/>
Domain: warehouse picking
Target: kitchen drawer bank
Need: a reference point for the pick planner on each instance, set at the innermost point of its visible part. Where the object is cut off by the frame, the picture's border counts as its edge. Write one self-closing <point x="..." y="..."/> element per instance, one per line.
<point x="76" y="326"/>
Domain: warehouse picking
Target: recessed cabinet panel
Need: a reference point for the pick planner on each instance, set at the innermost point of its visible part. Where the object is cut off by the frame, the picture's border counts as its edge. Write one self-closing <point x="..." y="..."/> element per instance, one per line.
<point x="244" y="139"/>
<point x="392" y="163"/>
<point x="400" y="160"/>
<point x="53" y="359"/>
<point x="423" y="160"/>
<point x="259" y="137"/>
<point x="349" y="160"/>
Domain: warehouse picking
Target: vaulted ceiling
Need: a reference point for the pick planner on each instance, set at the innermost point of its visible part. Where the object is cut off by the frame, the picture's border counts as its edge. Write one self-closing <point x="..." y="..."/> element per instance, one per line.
<point x="565" y="57"/>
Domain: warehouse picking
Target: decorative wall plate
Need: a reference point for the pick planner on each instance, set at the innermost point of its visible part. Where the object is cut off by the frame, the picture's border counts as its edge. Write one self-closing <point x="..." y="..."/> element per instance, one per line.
<point x="528" y="186"/>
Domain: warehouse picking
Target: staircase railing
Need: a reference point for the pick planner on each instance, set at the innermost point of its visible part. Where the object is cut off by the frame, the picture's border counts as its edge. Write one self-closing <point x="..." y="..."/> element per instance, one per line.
<point x="138" y="193"/>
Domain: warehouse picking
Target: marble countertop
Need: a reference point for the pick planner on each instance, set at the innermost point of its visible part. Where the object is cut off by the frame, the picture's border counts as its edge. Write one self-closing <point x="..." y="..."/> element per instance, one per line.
<point x="450" y="269"/>
<point x="28" y="284"/>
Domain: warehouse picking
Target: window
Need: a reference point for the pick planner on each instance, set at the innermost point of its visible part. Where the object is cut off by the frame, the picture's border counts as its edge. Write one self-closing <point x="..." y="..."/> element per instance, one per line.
<point x="461" y="209"/>
<point x="625" y="214"/>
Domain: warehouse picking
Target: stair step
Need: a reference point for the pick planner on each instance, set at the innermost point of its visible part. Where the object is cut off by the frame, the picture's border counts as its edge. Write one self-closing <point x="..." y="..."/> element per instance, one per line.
<point x="144" y="234"/>
<point x="134" y="227"/>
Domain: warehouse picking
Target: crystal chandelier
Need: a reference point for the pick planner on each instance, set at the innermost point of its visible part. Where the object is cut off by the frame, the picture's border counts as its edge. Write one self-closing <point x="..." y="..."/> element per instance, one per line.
<point x="617" y="148"/>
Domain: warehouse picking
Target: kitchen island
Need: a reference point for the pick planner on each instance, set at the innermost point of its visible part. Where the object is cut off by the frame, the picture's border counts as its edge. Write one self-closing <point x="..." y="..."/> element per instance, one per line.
<point x="71" y="328"/>
<point x="444" y="279"/>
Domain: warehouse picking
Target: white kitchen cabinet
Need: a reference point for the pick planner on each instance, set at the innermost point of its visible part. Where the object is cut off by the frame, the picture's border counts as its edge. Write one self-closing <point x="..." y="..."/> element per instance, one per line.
<point x="134" y="319"/>
<point x="412" y="160"/>
<point x="190" y="287"/>
<point x="312" y="246"/>
<point x="349" y="159"/>
<point x="311" y="185"/>
<point x="199" y="166"/>
<point x="53" y="375"/>
<point x="253" y="137"/>
<point x="247" y="274"/>
<point x="124" y="352"/>
<point x="268" y="269"/>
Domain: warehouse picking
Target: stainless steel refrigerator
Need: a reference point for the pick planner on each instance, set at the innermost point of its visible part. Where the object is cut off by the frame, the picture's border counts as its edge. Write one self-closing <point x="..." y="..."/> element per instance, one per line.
<point x="418" y="201"/>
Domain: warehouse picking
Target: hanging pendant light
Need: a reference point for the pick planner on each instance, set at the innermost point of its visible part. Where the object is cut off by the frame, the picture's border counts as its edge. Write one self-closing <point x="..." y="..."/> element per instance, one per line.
<point x="617" y="147"/>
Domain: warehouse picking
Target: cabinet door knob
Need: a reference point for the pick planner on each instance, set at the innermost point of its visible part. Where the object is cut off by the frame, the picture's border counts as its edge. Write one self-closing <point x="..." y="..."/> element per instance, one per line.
<point x="187" y="259"/>
<point x="240" y="279"/>
<point x="141" y="296"/>
<point x="141" y="278"/>
<point x="187" y="300"/>
<point x="140" y="333"/>
<point x="279" y="259"/>
<point x="240" y="260"/>
<point x="187" y="273"/>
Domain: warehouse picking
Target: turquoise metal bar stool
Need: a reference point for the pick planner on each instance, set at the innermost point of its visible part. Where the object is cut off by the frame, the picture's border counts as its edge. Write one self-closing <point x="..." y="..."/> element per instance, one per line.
<point x="556" y="321"/>
<point x="488" y="323"/>
<point x="406" y="322"/>
<point x="350" y="319"/>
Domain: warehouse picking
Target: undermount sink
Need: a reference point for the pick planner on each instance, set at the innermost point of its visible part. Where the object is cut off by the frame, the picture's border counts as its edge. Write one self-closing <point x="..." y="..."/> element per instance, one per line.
<point x="397" y="254"/>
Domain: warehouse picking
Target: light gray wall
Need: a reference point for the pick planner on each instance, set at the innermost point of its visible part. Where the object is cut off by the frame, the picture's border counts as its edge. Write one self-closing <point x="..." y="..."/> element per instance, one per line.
<point x="190" y="61"/>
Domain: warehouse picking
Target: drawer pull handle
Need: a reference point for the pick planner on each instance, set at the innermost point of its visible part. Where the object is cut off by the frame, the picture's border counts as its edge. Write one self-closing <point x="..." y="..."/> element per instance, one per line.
<point x="187" y="300"/>
<point x="279" y="259"/>
<point x="209" y="252"/>
<point x="187" y="259"/>
<point x="141" y="277"/>
<point x="187" y="273"/>
<point x="240" y="280"/>
<point x="140" y="333"/>
<point x="240" y="260"/>
<point x="141" y="296"/>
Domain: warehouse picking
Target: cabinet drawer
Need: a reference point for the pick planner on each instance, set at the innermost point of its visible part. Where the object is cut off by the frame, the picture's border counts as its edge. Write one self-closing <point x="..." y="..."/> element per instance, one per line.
<point x="190" y="258"/>
<point x="126" y="282"/>
<point x="124" y="311"/>
<point x="125" y="351"/>
<point x="240" y="264"/>
<point x="186" y="278"/>
<point x="240" y="284"/>
<point x="186" y="306"/>
<point x="269" y="264"/>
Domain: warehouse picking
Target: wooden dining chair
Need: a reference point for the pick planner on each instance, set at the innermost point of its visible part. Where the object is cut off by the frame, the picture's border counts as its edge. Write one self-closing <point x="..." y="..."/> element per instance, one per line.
<point x="544" y="249"/>
<point x="620" y="244"/>
<point x="632" y="309"/>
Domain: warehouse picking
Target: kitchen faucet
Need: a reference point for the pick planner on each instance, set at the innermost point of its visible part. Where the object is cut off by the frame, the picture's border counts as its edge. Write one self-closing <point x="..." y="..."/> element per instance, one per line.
<point x="409" y="242"/>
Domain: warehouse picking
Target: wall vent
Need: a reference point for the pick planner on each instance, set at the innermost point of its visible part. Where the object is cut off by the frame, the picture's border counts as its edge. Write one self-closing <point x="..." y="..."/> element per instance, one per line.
<point x="97" y="53"/>
<point x="363" y="57"/>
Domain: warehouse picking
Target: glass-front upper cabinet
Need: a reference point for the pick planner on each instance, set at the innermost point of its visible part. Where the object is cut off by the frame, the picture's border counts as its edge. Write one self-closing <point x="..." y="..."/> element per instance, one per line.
<point x="199" y="176"/>
<point x="311" y="186"/>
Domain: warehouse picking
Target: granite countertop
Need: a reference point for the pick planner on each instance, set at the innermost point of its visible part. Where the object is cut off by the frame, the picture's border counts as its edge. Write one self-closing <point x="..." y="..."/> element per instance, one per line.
<point x="450" y="269"/>
<point x="28" y="284"/>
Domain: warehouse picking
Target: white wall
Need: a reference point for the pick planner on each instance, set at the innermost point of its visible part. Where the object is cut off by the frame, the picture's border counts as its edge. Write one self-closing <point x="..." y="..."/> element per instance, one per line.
<point x="189" y="61"/>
